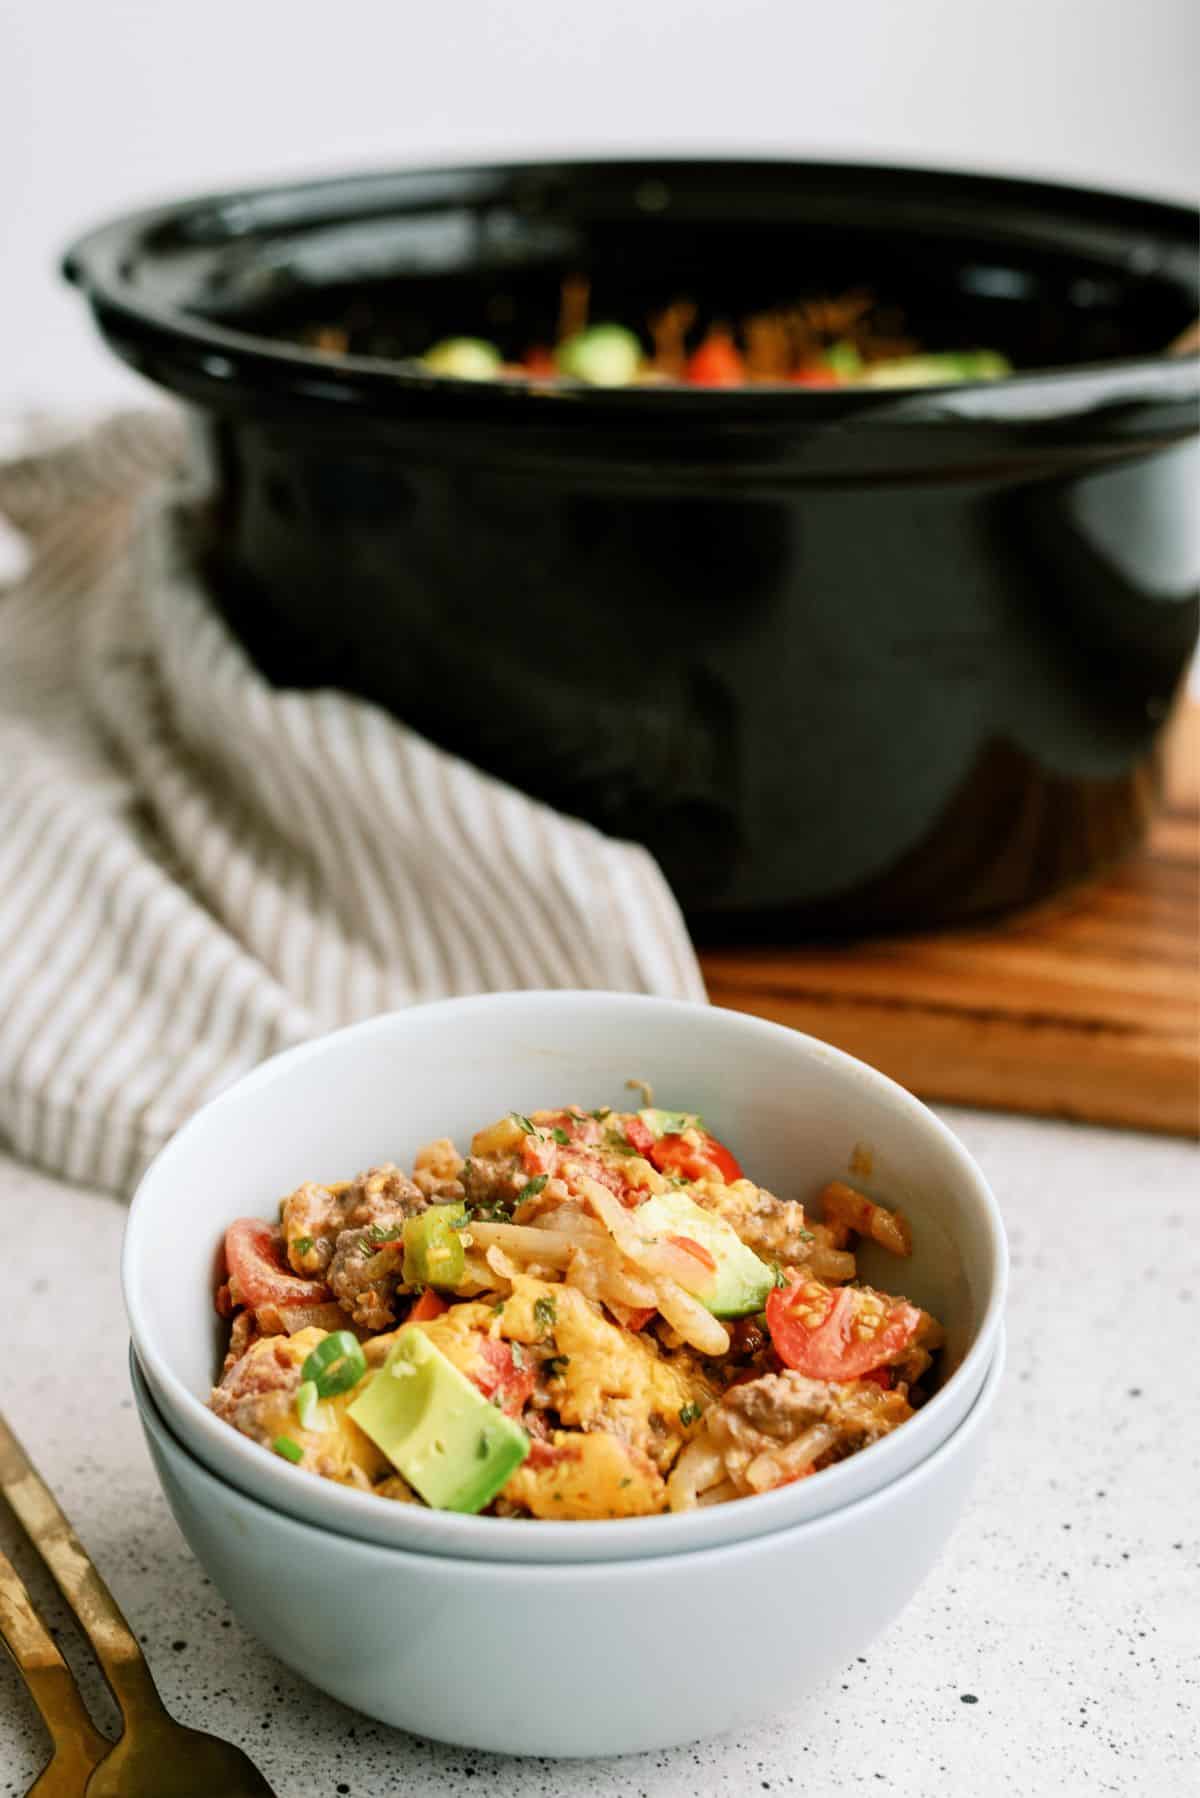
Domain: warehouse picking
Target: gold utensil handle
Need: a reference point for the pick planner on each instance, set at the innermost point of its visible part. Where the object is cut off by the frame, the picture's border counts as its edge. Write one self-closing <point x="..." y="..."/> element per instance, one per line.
<point x="100" y="1616"/>
<point x="78" y="1744"/>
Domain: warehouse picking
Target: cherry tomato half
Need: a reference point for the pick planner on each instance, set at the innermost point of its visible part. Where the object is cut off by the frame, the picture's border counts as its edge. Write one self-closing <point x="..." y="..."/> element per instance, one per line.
<point x="259" y="1272"/>
<point x="697" y="1159"/>
<point x="831" y="1334"/>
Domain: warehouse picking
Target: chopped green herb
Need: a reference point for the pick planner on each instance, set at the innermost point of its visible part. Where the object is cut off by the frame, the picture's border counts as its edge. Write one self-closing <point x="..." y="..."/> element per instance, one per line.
<point x="553" y="1365"/>
<point x="559" y="1134"/>
<point x="557" y="1497"/>
<point x="628" y="1480"/>
<point x="498" y="1308"/>
<point x="523" y="1122"/>
<point x="806" y="1235"/>
<point x="532" y="1187"/>
<point x="601" y="1113"/>
<point x="497" y="1212"/>
<point x="780" y="1276"/>
<point x="378" y="1235"/>
<point x="518" y="1355"/>
<point x="289" y="1449"/>
<point x="679" y="1180"/>
<point x="617" y="1141"/>
<point x="302" y="1244"/>
<point x="690" y="1413"/>
<point x="545" y="1314"/>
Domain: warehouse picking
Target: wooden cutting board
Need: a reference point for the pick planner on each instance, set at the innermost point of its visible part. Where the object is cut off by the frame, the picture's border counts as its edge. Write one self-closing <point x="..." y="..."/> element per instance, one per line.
<point x="1085" y="1007"/>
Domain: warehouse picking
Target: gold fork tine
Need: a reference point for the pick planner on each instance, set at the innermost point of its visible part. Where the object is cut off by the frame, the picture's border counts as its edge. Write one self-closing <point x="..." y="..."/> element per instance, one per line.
<point x="116" y="1648"/>
<point x="78" y="1744"/>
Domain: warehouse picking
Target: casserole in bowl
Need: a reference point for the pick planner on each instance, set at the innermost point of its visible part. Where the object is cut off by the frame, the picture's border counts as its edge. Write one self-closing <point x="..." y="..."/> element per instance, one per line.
<point x="801" y="1112"/>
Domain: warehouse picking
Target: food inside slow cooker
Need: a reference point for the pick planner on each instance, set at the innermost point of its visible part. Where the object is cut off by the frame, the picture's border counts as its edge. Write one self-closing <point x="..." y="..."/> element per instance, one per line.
<point x="846" y="341"/>
<point x="592" y="1314"/>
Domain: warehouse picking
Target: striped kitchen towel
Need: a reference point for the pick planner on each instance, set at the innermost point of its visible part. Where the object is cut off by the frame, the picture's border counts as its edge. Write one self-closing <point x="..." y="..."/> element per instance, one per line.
<point x="198" y="869"/>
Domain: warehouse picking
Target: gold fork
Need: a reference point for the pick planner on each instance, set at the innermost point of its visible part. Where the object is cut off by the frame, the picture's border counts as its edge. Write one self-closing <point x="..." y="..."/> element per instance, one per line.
<point x="155" y="1756"/>
<point x="78" y="1744"/>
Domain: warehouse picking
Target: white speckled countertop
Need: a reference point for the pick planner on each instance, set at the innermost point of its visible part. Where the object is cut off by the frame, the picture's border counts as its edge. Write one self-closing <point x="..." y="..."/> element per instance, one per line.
<point x="1055" y="1650"/>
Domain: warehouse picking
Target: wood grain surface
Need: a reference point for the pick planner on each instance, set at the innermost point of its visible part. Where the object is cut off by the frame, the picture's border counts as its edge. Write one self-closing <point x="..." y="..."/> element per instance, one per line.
<point x="1085" y="1007"/>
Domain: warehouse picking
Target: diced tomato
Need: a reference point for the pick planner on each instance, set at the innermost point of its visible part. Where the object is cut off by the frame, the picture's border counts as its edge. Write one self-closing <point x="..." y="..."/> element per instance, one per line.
<point x="717" y="363"/>
<point x="430" y="1304"/>
<point x="577" y="1161"/>
<point x="499" y="1377"/>
<point x="639" y="1136"/>
<point x="696" y="1249"/>
<point x="633" y="1317"/>
<point x="700" y="1161"/>
<point x="258" y="1270"/>
<point x="539" y="1155"/>
<point x="819" y="1331"/>
<point x="815" y="374"/>
<point x="579" y="1126"/>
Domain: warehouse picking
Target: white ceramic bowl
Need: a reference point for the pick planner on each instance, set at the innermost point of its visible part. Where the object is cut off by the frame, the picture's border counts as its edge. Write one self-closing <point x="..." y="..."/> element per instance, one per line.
<point x="573" y="1659"/>
<point x="795" y="1111"/>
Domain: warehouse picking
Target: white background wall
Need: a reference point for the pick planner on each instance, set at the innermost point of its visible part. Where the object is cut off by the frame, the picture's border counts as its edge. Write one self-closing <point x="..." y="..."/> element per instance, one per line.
<point x="108" y="103"/>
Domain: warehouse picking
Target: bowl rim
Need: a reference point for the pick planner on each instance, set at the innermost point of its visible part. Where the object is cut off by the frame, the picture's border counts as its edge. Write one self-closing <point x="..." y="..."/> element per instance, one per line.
<point x="517" y="1573"/>
<point x="484" y="1535"/>
<point x="107" y="264"/>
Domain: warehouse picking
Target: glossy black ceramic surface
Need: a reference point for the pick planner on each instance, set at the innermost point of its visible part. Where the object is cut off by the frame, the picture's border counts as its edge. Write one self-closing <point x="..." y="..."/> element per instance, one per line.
<point x="844" y="660"/>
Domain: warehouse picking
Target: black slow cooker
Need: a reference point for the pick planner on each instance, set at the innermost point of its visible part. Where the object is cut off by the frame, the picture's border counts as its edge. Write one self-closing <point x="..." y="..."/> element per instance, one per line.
<point x="849" y="659"/>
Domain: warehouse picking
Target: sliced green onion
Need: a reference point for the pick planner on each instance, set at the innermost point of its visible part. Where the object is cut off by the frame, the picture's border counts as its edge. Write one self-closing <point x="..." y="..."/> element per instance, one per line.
<point x="291" y="1451"/>
<point x="307" y="1398"/>
<point x="336" y="1364"/>
<point x="433" y="1250"/>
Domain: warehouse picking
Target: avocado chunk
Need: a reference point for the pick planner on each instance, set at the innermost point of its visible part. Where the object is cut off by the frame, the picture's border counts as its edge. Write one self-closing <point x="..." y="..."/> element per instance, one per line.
<point x="741" y="1281"/>
<point x="603" y="356"/>
<point x="452" y="1446"/>
<point x="467" y="358"/>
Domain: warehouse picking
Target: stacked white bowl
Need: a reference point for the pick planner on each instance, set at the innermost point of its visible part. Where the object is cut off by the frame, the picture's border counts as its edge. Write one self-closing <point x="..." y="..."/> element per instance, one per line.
<point x="563" y="1638"/>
